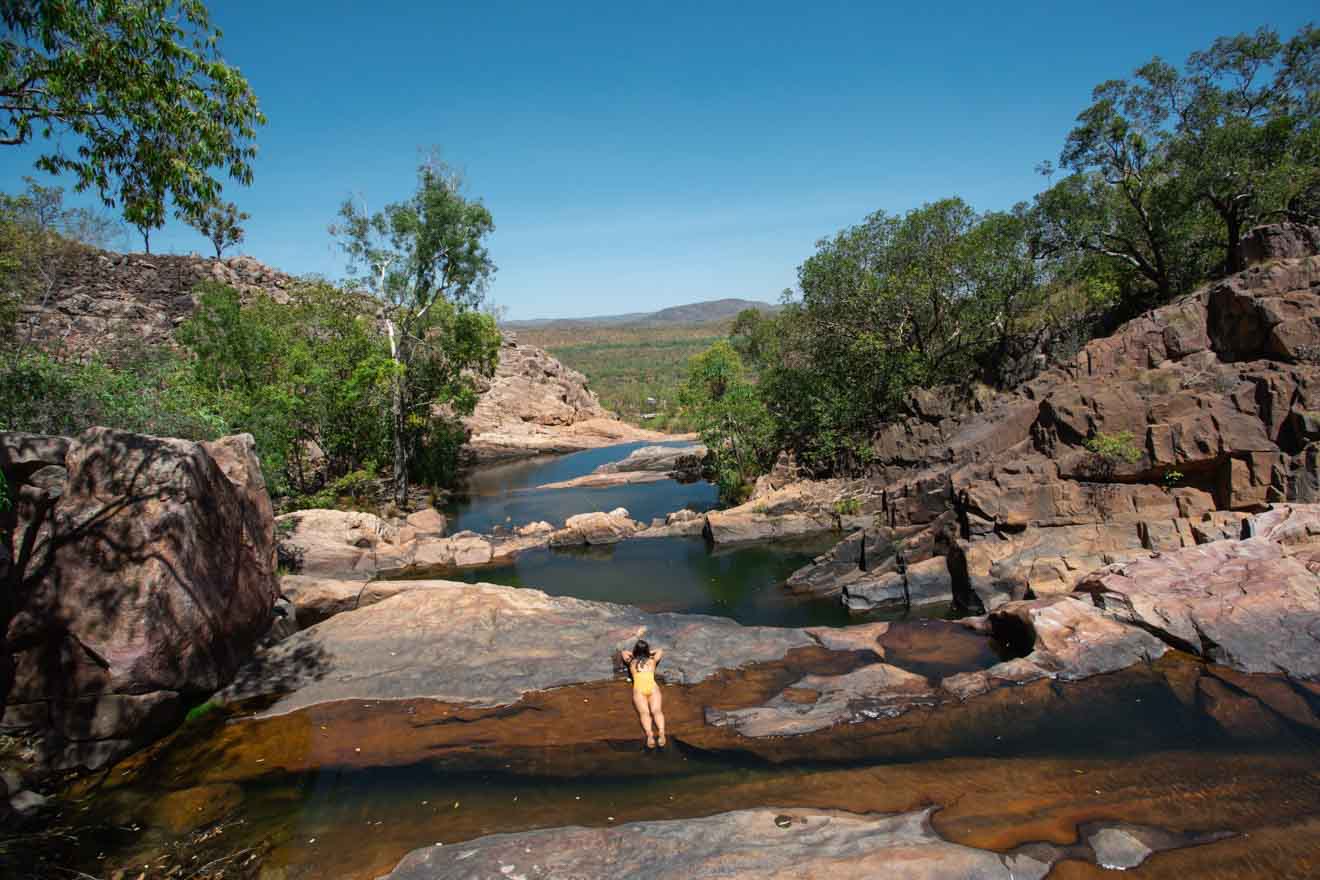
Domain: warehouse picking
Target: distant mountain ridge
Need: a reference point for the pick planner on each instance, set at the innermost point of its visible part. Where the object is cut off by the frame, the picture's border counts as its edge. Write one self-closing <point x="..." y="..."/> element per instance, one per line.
<point x="692" y="313"/>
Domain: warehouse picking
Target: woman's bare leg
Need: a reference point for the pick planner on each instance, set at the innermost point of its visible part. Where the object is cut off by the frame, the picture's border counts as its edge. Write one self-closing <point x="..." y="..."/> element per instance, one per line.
<point x="644" y="716"/>
<point x="657" y="712"/>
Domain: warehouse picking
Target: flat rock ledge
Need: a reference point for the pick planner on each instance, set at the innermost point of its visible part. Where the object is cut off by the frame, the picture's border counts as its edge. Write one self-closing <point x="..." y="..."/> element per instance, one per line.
<point x="487" y="645"/>
<point x="767" y="843"/>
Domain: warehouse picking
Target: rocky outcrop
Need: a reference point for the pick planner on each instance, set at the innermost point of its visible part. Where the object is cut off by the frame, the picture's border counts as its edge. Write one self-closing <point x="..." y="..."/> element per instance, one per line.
<point x="355" y="546"/>
<point x="646" y="465"/>
<point x="1253" y="605"/>
<point x="145" y="577"/>
<point x="1217" y="393"/>
<point x="534" y="405"/>
<point x="778" y="843"/>
<point x="595" y="529"/>
<point x="101" y="298"/>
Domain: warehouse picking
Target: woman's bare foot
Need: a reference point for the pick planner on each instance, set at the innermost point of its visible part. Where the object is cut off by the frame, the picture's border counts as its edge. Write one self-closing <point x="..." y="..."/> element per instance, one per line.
<point x="650" y="742"/>
<point x="662" y="741"/>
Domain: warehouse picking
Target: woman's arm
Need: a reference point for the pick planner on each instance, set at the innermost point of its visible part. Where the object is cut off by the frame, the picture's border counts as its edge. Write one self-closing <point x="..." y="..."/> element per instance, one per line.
<point x="659" y="654"/>
<point x="627" y="657"/>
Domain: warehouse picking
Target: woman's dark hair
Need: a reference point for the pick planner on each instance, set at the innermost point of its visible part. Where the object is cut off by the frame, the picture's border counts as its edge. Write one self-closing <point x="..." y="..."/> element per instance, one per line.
<point x="641" y="650"/>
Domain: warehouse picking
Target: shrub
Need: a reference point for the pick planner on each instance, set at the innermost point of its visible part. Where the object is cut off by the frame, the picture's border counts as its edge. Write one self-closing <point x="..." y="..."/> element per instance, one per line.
<point x="1116" y="448"/>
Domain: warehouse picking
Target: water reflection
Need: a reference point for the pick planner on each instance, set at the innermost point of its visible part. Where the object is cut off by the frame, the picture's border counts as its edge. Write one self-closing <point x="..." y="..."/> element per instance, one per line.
<point x="505" y="495"/>
<point x="687" y="575"/>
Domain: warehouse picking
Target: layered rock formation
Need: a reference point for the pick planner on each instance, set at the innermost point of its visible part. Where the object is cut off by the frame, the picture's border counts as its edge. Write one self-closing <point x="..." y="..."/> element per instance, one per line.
<point x="101" y="297"/>
<point x="1217" y="391"/>
<point x="534" y="405"/>
<point x="143" y="575"/>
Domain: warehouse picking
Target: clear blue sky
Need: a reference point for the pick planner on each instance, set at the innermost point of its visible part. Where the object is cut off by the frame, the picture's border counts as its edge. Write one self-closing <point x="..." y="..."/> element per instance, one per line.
<point x="636" y="156"/>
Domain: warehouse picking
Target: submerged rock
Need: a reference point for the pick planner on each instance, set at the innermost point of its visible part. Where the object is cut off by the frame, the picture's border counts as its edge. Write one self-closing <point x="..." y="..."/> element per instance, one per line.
<point x="769" y="843"/>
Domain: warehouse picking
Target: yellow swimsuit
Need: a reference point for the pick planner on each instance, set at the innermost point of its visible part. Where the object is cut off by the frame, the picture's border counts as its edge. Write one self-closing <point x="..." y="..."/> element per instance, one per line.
<point x="644" y="680"/>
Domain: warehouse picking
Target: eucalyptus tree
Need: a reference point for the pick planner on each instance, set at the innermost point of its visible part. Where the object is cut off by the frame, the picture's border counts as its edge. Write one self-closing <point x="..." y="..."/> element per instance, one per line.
<point x="153" y="108"/>
<point x="221" y="224"/>
<point x="1172" y="167"/>
<point x="426" y="260"/>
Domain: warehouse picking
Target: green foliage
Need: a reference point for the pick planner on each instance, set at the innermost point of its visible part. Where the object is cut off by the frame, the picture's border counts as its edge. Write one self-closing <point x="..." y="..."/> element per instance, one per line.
<point x="1171" y="168"/>
<point x="734" y="423"/>
<point x="309" y="379"/>
<point x="426" y="260"/>
<point x="635" y="370"/>
<point x="143" y="88"/>
<point x="200" y="711"/>
<point x="6" y="503"/>
<point x="929" y="298"/>
<point x="754" y="335"/>
<point x="352" y="490"/>
<point x="221" y="223"/>
<point x="850" y="506"/>
<point x="1172" y="478"/>
<point x="148" y="393"/>
<point x="1118" y="448"/>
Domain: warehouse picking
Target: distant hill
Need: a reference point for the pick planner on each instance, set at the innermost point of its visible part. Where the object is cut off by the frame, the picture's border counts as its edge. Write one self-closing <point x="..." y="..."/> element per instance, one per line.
<point x="693" y="313"/>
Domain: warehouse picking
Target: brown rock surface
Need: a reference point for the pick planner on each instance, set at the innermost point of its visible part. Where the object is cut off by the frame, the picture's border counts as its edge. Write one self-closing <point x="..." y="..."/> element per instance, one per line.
<point x="160" y="582"/>
<point x="771" y="844"/>
<point x="534" y="405"/>
<point x="101" y="298"/>
<point x="1219" y="391"/>
<point x="1246" y="604"/>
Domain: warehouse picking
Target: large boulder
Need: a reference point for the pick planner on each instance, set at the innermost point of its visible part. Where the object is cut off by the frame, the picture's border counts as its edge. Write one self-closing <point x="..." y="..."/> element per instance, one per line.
<point x="155" y="580"/>
<point x="595" y="529"/>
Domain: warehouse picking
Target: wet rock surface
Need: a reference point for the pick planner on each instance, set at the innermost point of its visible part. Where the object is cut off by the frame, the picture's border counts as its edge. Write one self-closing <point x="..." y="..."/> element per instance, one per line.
<point x="772" y="843"/>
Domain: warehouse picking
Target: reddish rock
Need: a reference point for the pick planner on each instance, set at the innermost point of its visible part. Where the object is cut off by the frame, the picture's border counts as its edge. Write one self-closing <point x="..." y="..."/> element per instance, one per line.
<point x="161" y="582"/>
<point x="1245" y="604"/>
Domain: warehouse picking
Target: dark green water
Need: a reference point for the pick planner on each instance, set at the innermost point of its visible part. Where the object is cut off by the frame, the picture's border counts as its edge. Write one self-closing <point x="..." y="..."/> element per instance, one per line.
<point x="505" y="496"/>
<point x="688" y="575"/>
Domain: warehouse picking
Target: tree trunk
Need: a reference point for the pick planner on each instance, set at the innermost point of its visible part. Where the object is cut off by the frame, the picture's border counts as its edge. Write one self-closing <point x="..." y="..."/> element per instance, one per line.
<point x="397" y="418"/>
<point x="1233" y="259"/>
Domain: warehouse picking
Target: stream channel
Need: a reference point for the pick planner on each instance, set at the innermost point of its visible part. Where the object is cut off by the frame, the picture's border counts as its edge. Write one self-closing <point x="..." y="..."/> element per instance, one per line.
<point x="1129" y="747"/>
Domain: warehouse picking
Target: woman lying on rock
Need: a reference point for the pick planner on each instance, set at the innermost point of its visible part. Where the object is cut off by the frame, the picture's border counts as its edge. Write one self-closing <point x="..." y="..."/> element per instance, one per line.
<point x="641" y="663"/>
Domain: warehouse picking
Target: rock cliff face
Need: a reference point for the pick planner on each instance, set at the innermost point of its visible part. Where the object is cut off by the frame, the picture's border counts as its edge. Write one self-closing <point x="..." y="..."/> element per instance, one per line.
<point x="102" y="297"/>
<point x="144" y="574"/>
<point x="534" y="405"/>
<point x="1219" y="392"/>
